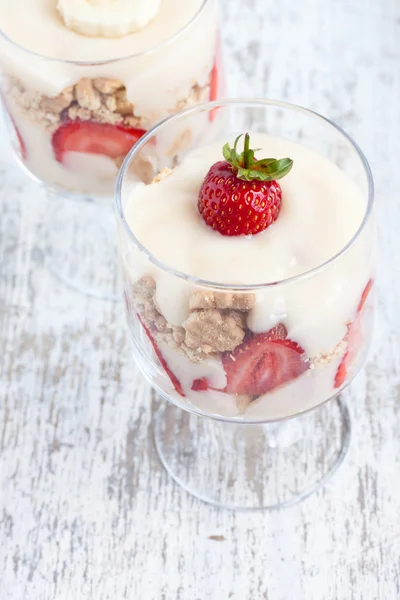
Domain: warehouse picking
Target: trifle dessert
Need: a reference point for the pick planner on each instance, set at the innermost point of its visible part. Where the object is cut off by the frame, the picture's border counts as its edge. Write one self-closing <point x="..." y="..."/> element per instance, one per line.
<point x="249" y="276"/>
<point x="82" y="80"/>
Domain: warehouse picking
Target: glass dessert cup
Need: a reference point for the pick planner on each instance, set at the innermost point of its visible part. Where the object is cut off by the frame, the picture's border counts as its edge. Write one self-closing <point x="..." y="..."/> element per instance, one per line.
<point x="72" y="122"/>
<point x="229" y="448"/>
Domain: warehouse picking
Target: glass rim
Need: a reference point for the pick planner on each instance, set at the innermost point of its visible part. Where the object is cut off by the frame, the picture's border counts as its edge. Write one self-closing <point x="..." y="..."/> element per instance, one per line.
<point x="88" y="63"/>
<point x="256" y="102"/>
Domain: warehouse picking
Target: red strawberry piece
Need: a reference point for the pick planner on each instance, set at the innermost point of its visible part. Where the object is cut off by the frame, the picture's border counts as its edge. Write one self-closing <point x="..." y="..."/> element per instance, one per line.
<point x="113" y="141"/>
<point x="263" y="363"/>
<point x="364" y="295"/>
<point x="240" y="195"/>
<point x="174" y="380"/>
<point x="215" y="80"/>
<point x="22" y="147"/>
<point x="355" y="339"/>
<point x="200" y="385"/>
<point x="341" y="373"/>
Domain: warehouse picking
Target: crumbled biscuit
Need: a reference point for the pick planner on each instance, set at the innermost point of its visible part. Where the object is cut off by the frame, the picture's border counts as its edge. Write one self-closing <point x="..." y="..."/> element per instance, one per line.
<point x="136" y="122"/>
<point x="239" y="317"/>
<point x="162" y="175"/>
<point x="145" y="287"/>
<point x="211" y="329"/>
<point x="101" y="99"/>
<point x="110" y="103"/>
<point x="198" y="94"/>
<point x="76" y="112"/>
<point x="202" y="299"/>
<point x="107" y="86"/>
<point x="122" y="104"/>
<point x="60" y="102"/>
<point x="179" y="334"/>
<point x="103" y="115"/>
<point x="324" y="359"/>
<point x="86" y="95"/>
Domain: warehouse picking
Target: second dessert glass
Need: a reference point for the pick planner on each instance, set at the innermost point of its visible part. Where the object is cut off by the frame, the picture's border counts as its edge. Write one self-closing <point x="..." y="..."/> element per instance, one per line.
<point x="274" y="449"/>
<point x="72" y="122"/>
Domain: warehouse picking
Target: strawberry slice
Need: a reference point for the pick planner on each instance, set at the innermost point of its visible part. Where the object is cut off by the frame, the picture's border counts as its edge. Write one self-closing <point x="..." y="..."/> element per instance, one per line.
<point x="174" y="380"/>
<point x="355" y="340"/>
<point x="364" y="295"/>
<point x="263" y="362"/>
<point x="22" y="147"/>
<point x="200" y="385"/>
<point x="113" y="141"/>
<point x="215" y="80"/>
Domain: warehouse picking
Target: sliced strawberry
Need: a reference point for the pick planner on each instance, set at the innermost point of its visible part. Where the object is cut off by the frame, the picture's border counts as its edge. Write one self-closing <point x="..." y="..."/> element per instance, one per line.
<point x="200" y="385"/>
<point x="364" y="295"/>
<point x="215" y="80"/>
<point x="355" y="339"/>
<point x="341" y="373"/>
<point x="22" y="147"/>
<point x="174" y="380"/>
<point x="113" y="141"/>
<point x="262" y="363"/>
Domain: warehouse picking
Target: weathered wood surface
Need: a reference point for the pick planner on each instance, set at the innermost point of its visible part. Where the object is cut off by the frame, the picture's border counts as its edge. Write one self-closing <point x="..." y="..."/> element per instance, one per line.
<point x="86" y="510"/>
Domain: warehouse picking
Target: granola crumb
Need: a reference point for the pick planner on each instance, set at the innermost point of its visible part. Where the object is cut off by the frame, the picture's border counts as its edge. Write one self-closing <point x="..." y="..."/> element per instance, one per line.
<point x="86" y="95"/>
<point x="107" y="86"/>
<point x="101" y="99"/>
<point x="162" y="175"/>
<point x="212" y="331"/>
<point x="77" y="112"/>
<point x="204" y="332"/>
<point x="122" y="104"/>
<point x="239" y="317"/>
<point x="324" y="359"/>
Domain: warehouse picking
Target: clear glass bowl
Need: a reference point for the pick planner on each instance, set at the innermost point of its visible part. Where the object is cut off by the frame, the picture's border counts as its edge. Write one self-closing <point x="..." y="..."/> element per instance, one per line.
<point x="336" y="295"/>
<point x="72" y="122"/>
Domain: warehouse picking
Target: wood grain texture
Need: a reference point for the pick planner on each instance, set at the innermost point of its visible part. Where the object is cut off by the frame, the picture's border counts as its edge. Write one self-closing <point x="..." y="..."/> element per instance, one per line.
<point x="86" y="510"/>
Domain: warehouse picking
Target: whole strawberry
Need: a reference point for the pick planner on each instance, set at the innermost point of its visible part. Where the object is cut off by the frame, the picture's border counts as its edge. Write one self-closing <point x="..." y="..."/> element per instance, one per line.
<point x="240" y="195"/>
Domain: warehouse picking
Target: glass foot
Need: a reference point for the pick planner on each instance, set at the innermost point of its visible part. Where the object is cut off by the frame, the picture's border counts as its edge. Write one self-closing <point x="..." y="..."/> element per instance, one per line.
<point x="82" y="250"/>
<point x="252" y="466"/>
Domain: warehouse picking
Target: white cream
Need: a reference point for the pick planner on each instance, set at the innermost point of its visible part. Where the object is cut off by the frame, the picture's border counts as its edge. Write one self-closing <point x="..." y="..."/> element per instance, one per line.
<point x="304" y="393"/>
<point x="154" y="81"/>
<point x="321" y="211"/>
<point x="158" y="66"/>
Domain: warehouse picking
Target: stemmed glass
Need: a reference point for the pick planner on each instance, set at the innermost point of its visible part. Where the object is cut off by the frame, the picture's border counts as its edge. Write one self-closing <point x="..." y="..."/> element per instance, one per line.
<point x="71" y="123"/>
<point x="276" y="449"/>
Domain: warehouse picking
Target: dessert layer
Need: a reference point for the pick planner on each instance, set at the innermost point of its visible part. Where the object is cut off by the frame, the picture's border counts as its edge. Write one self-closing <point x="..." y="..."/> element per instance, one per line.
<point x="322" y="209"/>
<point x="102" y="100"/>
<point x="153" y="82"/>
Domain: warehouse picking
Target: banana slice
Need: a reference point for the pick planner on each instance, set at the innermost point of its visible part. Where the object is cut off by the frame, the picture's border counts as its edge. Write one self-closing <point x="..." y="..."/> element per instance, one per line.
<point x="107" y="18"/>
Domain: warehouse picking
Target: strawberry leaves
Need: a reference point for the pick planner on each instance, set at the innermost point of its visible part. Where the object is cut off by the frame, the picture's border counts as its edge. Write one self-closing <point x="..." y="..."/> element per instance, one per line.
<point x="248" y="168"/>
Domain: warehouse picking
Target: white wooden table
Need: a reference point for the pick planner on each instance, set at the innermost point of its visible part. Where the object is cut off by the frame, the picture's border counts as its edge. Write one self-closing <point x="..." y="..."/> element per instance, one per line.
<point x="86" y="510"/>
